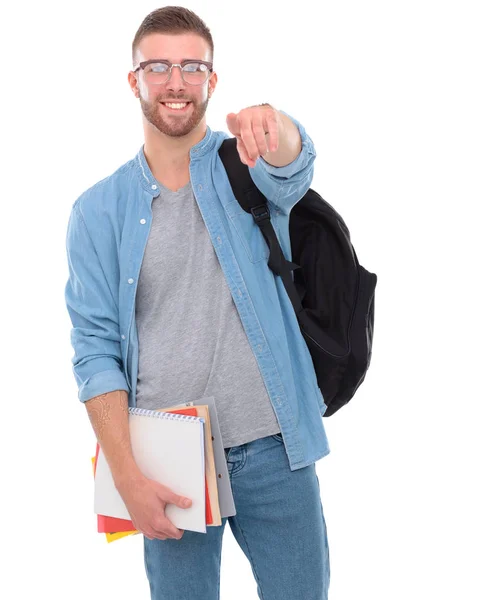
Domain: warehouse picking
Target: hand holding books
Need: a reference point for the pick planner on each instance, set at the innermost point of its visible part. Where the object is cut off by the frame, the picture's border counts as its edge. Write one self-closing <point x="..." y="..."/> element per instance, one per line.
<point x="210" y="502"/>
<point x="145" y="500"/>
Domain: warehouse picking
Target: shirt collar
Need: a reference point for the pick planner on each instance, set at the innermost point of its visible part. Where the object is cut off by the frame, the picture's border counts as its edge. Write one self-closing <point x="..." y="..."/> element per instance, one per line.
<point x="145" y="175"/>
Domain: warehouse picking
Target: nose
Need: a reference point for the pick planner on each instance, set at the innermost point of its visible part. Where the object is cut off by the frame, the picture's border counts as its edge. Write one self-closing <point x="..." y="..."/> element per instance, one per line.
<point x="175" y="81"/>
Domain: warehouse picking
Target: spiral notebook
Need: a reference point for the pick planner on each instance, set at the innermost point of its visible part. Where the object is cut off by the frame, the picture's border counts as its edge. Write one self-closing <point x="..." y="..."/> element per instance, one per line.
<point x="168" y="448"/>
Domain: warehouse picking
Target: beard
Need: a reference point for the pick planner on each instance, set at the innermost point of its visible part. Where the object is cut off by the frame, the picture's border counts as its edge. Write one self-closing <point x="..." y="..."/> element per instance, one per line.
<point x="168" y="123"/>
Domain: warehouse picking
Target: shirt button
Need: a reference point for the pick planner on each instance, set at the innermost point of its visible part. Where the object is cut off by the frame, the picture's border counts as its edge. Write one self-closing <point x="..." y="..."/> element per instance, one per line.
<point x="123" y="336"/>
<point x="200" y="187"/>
<point x="130" y="280"/>
<point x="142" y="221"/>
<point x="153" y="187"/>
<point x="260" y="347"/>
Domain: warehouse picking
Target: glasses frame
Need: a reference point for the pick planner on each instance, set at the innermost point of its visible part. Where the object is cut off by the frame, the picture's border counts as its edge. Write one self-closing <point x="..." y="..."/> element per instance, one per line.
<point x="143" y="64"/>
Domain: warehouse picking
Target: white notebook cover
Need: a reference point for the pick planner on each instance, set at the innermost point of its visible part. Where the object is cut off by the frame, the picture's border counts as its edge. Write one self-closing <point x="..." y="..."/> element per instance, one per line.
<point x="168" y="448"/>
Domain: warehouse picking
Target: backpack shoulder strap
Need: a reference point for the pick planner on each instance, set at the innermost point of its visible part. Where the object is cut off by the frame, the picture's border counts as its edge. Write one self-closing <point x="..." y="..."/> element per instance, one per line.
<point x="252" y="201"/>
<point x="244" y="188"/>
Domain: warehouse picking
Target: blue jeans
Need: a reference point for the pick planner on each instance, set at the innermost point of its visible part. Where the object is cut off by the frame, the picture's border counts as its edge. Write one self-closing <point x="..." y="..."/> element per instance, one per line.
<point x="279" y="526"/>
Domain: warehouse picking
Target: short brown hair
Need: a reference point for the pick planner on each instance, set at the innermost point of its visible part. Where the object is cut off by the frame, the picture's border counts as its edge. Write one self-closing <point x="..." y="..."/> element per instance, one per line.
<point x="171" y="20"/>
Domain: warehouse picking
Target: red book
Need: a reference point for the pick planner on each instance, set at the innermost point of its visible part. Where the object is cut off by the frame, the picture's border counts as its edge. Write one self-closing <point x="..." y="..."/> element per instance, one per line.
<point x="106" y="524"/>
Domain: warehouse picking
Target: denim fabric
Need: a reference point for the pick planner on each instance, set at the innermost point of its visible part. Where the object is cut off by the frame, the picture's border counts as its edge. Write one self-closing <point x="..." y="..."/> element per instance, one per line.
<point x="279" y="526"/>
<point x="107" y="235"/>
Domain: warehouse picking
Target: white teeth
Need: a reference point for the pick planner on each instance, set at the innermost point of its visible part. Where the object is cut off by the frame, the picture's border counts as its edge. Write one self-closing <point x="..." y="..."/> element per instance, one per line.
<point x="182" y="105"/>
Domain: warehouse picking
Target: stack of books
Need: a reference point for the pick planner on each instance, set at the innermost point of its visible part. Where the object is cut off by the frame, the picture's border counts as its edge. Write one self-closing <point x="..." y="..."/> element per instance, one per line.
<point x="181" y="448"/>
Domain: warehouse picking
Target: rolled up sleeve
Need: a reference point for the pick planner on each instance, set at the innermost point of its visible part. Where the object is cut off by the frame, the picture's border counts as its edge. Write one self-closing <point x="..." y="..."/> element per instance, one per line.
<point x="285" y="186"/>
<point x="92" y="306"/>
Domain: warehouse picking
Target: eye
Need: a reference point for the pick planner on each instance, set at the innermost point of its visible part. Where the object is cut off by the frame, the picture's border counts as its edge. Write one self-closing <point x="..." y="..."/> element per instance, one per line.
<point x="194" y="67"/>
<point x="156" y="68"/>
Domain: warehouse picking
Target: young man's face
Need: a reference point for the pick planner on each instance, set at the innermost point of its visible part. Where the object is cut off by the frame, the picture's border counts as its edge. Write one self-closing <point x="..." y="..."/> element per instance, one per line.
<point x="174" y="48"/>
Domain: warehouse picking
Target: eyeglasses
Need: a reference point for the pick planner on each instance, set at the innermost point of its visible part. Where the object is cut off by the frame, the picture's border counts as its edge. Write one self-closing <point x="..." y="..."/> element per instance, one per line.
<point x="158" y="72"/>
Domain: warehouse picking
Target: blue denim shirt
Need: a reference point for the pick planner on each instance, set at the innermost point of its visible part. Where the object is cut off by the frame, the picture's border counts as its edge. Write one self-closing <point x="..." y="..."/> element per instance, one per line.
<point x="106" y="238"/>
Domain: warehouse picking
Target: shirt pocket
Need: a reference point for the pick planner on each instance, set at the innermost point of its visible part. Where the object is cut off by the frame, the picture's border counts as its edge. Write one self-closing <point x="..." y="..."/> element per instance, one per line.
<point x="248" y="232"/>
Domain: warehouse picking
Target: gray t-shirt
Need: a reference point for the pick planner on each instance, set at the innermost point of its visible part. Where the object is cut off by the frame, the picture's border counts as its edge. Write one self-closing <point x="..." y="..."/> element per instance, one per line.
<point x="192" y="342"/>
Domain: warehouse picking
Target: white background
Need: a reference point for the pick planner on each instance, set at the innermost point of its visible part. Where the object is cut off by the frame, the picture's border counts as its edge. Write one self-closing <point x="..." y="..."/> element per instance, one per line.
<point x="398" y="98"/>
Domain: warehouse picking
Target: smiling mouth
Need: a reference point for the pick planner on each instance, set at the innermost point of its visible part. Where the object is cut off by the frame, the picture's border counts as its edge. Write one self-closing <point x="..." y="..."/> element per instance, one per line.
<point x="177" y="110"/>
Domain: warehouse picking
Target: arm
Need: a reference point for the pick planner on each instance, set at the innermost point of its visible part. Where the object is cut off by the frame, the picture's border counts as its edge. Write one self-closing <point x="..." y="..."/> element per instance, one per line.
<point x="92" y="301"/>
<point x="109" y="417"/>
<point x="97" y="363"/>
<point x="285" y="185"/>
<point x="289" y="143"/>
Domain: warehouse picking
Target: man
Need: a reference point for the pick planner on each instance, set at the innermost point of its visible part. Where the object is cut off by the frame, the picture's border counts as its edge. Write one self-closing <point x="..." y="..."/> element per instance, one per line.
<point x="210" y="317"/>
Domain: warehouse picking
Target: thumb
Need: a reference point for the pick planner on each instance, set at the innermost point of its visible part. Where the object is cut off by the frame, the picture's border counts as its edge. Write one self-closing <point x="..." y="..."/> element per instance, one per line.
<point x="170" y="497"/>
<point x="181" y="501"/>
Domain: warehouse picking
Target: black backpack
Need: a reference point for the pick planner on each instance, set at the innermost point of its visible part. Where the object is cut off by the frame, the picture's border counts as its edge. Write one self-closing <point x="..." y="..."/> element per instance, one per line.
<point x="332" y="294"/>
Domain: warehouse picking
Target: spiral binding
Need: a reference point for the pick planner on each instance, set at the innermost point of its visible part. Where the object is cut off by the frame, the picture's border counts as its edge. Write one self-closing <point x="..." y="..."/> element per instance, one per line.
<point x="147" y="412"/>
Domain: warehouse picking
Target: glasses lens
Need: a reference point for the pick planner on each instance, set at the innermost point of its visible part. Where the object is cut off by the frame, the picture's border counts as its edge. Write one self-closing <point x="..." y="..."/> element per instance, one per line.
<point x="195" y="73"/>
<point x="192" y="73"/>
